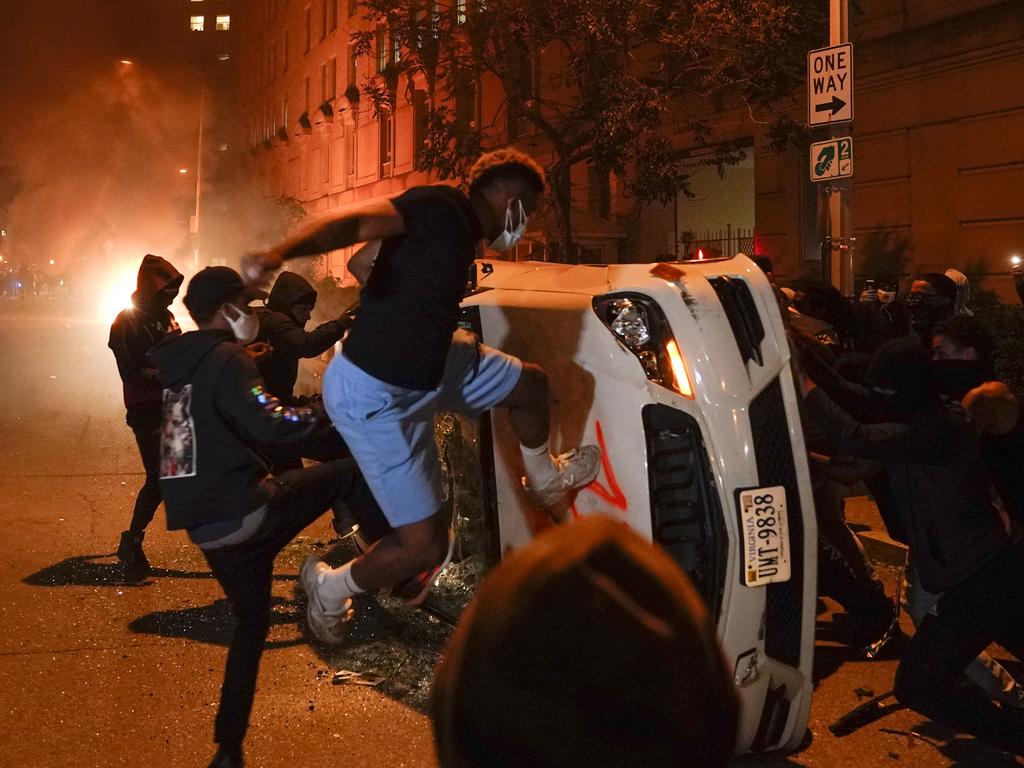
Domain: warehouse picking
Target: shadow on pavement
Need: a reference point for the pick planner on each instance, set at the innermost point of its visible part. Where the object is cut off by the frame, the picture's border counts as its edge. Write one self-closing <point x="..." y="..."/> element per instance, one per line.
<point x="84" y="571"/>
<point x="212" y="624"/>
<point x="386" y="638"/>
<point x="962" y="751"/>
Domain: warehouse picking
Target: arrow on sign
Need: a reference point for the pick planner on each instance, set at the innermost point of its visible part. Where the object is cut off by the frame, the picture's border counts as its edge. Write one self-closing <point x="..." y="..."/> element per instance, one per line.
<point x="830" y="106"/>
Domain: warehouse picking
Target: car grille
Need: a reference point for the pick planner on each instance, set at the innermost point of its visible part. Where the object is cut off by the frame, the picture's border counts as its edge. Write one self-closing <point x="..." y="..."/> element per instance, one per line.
<point x="775" y="466"/>
<point x="739" y="306"/>
<point x="686" y="516"/>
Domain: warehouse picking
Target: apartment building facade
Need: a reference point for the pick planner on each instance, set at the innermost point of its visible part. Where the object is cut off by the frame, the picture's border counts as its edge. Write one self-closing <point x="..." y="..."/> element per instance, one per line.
<point x="937" y="153"/>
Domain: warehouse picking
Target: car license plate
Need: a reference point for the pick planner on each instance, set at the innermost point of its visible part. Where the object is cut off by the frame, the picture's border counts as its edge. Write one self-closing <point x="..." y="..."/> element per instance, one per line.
<point x="765" y="531"/>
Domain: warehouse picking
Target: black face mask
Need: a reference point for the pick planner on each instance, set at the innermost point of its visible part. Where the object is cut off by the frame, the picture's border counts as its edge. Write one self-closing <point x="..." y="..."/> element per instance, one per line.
<point x="926" y="311"/>
<point x="164" y="299"/>
<point x="955" y="378"/>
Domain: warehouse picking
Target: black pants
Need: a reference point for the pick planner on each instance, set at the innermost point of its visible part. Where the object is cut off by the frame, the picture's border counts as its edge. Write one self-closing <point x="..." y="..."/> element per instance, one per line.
<point x="987" y="607"/>
<point x="245" y="572"/>
<point x="146" y="422"/>
<point x="844" y="572"/>
<point x="323" y="446"/>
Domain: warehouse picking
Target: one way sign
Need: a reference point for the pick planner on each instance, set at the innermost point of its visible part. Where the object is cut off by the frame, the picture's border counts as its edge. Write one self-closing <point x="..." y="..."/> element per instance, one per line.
<point x="830" y="85"/>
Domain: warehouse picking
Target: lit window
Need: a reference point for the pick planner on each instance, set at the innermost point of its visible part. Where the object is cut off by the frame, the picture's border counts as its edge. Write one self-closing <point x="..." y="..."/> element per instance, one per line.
<point x="198" y="22"/>
<point x="223" y="23"/>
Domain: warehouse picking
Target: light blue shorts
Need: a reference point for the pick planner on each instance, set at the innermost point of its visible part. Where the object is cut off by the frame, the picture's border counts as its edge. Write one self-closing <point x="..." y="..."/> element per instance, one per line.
<point x="390" y="430"/>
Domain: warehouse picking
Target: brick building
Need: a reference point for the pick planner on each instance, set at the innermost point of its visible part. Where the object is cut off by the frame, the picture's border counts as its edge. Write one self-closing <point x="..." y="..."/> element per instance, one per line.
<point x="938" y="155"/>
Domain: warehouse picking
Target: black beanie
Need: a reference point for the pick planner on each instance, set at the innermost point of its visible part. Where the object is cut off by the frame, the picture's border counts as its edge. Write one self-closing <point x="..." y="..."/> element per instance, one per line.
<point x="943" y="286"/>
<point x="902" y="370"/>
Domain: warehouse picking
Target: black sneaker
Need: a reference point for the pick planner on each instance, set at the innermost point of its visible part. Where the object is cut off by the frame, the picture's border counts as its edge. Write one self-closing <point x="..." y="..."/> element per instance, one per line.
<point x="129" y="552"/>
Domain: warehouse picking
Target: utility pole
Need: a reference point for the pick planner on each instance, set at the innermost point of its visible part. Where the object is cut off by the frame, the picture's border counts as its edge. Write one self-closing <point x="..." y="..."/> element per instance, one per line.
<point x="199" y="179"/>
<point x="840" y="198"/>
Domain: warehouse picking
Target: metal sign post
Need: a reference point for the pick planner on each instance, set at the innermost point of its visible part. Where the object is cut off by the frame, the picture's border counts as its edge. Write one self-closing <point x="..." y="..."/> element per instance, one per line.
<point x="830" y="103"/>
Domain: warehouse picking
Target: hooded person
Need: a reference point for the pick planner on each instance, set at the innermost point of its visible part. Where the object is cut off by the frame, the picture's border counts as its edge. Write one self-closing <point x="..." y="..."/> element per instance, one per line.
<point x="932" y="298"/>
<point x="217" y="416"/>
<point x="961" y="549"/>
<point x="133" y="333"/>
<point x="588" y="647"/>
<point x="283" y="327"/>
<point x="881" y="315"/>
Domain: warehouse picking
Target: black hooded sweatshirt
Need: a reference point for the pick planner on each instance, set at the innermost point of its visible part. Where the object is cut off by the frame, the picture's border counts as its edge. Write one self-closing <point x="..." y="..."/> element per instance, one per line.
<point x="288" y="340"/>
<point x="216" y="415"/>
<point x="939" y="485"/>
<point x="135" y="331"/>
<point x="1003" y="454"/>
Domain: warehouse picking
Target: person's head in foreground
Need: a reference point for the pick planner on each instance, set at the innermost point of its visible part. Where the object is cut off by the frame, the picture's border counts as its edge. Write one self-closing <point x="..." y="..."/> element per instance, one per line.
<point x="589" y="647"/>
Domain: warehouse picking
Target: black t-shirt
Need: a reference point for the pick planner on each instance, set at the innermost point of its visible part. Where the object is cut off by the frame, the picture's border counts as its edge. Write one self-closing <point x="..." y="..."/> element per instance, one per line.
<point x="409" y="307"/>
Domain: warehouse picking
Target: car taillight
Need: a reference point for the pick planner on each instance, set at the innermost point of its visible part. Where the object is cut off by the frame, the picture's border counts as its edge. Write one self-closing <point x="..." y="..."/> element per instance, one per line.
<point x="640" y="325"/>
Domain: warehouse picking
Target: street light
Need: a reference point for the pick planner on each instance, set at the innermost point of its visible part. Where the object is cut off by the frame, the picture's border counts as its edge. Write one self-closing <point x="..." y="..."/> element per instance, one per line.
<point x="193" y="227"/>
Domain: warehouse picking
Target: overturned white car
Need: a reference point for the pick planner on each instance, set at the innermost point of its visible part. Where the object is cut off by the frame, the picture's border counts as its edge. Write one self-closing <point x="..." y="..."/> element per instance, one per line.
<point x="680" y="373"/>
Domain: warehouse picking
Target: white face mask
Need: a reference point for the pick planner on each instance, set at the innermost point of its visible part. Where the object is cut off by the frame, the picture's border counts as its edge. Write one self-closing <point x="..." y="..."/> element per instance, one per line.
<point x="245" y="327"/>
<point x="510" y="236"/>
<point x="886" y="297"/>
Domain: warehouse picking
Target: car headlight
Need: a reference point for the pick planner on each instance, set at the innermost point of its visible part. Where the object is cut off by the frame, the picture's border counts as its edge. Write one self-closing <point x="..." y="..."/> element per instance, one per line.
<point x="640" y="325"/>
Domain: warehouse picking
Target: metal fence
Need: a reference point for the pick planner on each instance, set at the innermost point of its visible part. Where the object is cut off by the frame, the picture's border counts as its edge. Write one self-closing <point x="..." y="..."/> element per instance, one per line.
<point x="723" y="242"/>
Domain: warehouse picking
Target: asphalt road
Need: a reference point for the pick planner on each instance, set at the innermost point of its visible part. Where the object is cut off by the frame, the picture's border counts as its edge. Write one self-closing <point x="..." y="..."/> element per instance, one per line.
<point x="93" y="673"/>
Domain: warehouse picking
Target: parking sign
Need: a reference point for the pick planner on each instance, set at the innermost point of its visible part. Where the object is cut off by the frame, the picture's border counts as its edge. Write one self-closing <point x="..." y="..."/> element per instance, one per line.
<point x="832" y="159"/>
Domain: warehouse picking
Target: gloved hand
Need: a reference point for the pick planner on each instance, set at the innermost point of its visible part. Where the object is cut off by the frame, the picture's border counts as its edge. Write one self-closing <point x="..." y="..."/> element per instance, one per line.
<point x="349" y="315"/>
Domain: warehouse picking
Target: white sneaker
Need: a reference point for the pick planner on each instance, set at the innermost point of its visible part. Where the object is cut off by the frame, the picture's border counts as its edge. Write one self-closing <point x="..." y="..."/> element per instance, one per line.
<point x="328" y="622"/>
<point x="576" y="469"/>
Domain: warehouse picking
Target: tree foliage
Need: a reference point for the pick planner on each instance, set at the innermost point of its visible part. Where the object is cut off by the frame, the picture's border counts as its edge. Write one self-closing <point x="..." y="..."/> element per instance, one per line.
<point x="611" y="83"/>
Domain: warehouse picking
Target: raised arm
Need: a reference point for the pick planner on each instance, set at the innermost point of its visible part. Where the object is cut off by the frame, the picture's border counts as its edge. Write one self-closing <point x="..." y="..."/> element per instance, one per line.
<point x="374" y="221"/>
